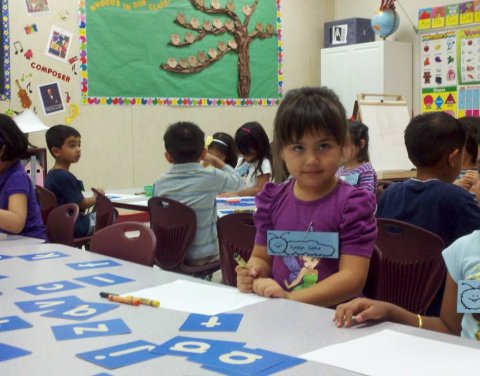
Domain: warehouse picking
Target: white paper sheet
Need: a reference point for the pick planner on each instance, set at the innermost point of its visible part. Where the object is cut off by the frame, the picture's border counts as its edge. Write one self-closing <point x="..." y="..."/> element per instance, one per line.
<point x="200" y="298"/>
<point x="392" y="353"/>
<point x="28" y="122"/>
<point x="120" y="196"/>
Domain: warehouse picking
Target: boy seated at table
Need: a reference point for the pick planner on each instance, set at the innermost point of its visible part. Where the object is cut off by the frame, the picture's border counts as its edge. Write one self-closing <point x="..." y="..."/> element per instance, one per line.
<point x="196" y="186"/>
<point x="435" y="143"/>
<point x="64" y="142"/>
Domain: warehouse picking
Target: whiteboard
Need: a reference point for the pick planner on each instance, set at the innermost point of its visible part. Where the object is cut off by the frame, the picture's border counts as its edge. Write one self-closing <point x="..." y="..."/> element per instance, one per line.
<point x="386" y="122"/>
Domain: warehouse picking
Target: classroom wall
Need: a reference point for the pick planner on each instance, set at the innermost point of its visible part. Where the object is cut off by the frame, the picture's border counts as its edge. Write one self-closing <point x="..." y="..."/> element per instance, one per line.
<point x="405" y="32"/>
<point x="123" y="146"/>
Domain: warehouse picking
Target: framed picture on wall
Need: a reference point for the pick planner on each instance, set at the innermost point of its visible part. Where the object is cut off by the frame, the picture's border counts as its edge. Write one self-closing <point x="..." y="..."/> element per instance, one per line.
<point x="36" y="6"/>
<point x="52" y="101"/>
<point x="58" y="44"/>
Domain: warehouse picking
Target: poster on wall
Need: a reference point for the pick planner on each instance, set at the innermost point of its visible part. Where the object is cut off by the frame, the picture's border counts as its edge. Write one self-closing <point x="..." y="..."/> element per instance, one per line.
<point x="181" y="52"/>
<point x="35" y="7"/>
<point x="58" y="44"/>
<point x="51" y="98"/>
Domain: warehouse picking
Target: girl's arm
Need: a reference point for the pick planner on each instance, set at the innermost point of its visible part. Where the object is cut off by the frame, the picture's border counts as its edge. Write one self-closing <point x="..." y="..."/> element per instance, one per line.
<point x="262" y="180"/>
<point x="13" y="219"/>
<point x="367" y="181"/>
<point x="345" y="284"/>
<point x="259" y="265"/>
<point x="365" y="309"/>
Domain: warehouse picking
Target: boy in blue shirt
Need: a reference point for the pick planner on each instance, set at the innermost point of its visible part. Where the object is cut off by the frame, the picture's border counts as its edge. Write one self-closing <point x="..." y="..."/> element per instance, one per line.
<point x="64" y="144"/>
<point x="435" y="144"/>
<point x="192" y="184"/>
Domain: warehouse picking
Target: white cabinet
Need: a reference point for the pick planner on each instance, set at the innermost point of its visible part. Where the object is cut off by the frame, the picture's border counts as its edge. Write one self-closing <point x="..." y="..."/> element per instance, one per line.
<point x="381" y="67"/>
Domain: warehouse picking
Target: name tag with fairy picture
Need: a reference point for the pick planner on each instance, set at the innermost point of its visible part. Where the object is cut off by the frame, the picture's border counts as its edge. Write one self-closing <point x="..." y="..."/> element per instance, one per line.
<point x="302" y="243"/>
<point x="468" y="296"/>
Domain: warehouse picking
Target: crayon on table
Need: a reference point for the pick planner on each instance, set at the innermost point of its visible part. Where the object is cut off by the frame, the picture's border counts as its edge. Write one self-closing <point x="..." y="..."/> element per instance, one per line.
<point x="124" y="300"/>
<point x="149" y="302"/>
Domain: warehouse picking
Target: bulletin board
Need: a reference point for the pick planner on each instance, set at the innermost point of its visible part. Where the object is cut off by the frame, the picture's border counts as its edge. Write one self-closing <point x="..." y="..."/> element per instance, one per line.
<point x="450" y="59"/>
<point x="181" y="52"/>
<point x="5" y="49"/>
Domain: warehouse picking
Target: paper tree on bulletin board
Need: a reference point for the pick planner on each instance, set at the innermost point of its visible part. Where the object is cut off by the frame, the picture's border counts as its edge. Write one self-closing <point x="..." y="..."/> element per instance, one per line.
<point x="240" y="35"/>
<point x="181" y="52"/>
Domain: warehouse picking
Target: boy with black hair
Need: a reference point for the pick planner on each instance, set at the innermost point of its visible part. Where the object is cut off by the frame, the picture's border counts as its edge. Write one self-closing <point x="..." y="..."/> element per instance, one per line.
<point x="64" y="143"/>
<point x="435" y="143"/>
<point x="195" y="186"/>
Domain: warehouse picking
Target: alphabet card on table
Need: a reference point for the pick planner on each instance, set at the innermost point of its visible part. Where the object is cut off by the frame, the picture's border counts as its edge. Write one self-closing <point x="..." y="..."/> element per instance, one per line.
<point x="8" y="352"/>
<point x="105" y="279"/>
<point x="47" y="288"/>
<point x="50" y="304"/>
<point x="84" y="311"/>
<point x="4" y="257"/>
<point x="93" y="264"/>
<point x="224" y="322"/>
<point x="121" y="355"/>
<point x="90" y="329"/>
<point x="13" y="323"/>
<point x="468" y="296"/>
<point x="43" y="256"/>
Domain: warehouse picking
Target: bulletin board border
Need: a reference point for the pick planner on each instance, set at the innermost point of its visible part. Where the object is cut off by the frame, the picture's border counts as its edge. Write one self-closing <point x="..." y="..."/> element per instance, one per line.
<point x="5" y="93"/>
<point x="173" y="101"/>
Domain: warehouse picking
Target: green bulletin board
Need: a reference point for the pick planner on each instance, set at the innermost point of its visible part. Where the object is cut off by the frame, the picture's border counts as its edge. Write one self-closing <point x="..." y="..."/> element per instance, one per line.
<point x="181" y="52"/>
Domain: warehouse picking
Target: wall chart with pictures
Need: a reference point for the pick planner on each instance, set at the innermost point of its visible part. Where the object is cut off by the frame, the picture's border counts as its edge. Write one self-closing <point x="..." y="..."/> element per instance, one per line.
<point x="450" y="59"/>
<point x="181" y="52"/>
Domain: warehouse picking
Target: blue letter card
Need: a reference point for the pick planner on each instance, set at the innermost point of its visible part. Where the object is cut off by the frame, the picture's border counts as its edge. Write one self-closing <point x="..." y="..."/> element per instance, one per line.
<point x="93" y="264"/>
<point x="81" y="312"/>
<point x="4" y="257"/>
<point x="302" y="243"/>
<point x="43" y="256"/>
<point x="90" y="329"/>
<point x="468" y="298"/>
<point x="105" y="279"/>
<point x="9" y="352"/>
<point x="49" y="304"/>
<point x="121" y="355"/>
<point x="13" y="323"/>
<point x="47" y="288"/>
<point x="224" y="322"/>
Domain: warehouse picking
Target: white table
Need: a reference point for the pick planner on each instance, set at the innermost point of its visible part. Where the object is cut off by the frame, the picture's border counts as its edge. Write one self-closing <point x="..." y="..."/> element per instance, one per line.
<point x="18" y="241"/>
<point x="276" y="325"/>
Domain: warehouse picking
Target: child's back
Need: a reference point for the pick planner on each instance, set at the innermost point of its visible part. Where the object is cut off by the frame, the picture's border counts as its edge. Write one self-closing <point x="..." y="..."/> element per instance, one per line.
<point x="195" y="186"/>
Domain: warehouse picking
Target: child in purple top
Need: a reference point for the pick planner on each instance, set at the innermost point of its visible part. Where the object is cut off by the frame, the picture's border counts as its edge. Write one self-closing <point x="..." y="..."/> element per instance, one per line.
<point x="357" y="169"/>
<point x="19" y="210"/>
<point x="310" y="132"/>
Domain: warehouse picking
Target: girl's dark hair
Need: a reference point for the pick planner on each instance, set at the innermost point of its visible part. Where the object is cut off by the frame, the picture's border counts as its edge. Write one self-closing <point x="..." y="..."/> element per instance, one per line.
<point x="309" y="110"/>
<point x="226" y="146"/>
<point x="251" y="136"/>
<point x="472" y="126"/>
<point x="358" y="132"/>
<point x="11" y="136"/>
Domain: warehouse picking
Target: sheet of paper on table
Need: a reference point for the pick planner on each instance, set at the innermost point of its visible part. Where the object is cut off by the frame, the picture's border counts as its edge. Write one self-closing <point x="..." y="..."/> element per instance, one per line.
<point x="200" y="298"/>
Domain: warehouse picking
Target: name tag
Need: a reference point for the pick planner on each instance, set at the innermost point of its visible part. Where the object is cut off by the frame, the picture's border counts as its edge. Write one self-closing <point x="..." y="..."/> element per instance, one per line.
<point x="302" y="243"/>
<point x="468" y="296"/>
<point x="352" y="178"/>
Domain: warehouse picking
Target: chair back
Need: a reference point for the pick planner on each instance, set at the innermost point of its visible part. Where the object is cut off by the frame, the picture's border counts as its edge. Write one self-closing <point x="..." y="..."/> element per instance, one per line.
<point x="131" y="241"/>
<point x="61" y="224"/>
<point x="412" y="270"/>
<point x="105" y="212"/>
<point x="174" y="225"/>
<point x="236" y="234"/>
<point x="46" y="200"/>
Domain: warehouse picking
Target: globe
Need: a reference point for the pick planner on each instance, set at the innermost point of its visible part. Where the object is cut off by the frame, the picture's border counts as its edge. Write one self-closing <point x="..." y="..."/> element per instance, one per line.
<point x="385" y="22"/>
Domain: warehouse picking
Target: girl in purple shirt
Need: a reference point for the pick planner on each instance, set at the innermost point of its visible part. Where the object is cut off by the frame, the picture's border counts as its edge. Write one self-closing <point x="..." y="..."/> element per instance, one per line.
<point x="310" y="132"/>
<point x="19" y="211"/>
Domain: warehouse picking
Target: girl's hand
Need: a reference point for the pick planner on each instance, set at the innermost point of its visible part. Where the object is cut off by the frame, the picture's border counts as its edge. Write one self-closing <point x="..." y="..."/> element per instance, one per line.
<point x="363" y="309"/>
<point x="245" y="278"/>
<point x="228" y="194"/>
<point x="268" y="288"/>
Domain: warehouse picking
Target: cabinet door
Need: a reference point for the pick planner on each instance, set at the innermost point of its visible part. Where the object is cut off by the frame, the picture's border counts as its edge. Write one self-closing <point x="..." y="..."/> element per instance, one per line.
<point x="367" y="66"/>
<point x="334" y="72"/>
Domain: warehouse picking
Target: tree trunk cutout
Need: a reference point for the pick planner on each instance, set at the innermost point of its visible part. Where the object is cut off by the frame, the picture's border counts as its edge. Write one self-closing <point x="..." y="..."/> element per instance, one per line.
<point x="231" y="27"/>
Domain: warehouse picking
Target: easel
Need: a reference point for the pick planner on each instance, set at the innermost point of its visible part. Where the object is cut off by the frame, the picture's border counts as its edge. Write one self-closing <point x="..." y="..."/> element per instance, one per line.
<point x="386" y="116"/>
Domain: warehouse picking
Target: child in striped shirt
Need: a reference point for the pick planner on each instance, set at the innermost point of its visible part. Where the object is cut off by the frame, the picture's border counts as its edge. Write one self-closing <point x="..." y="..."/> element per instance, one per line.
<point x="356" y="169"/>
